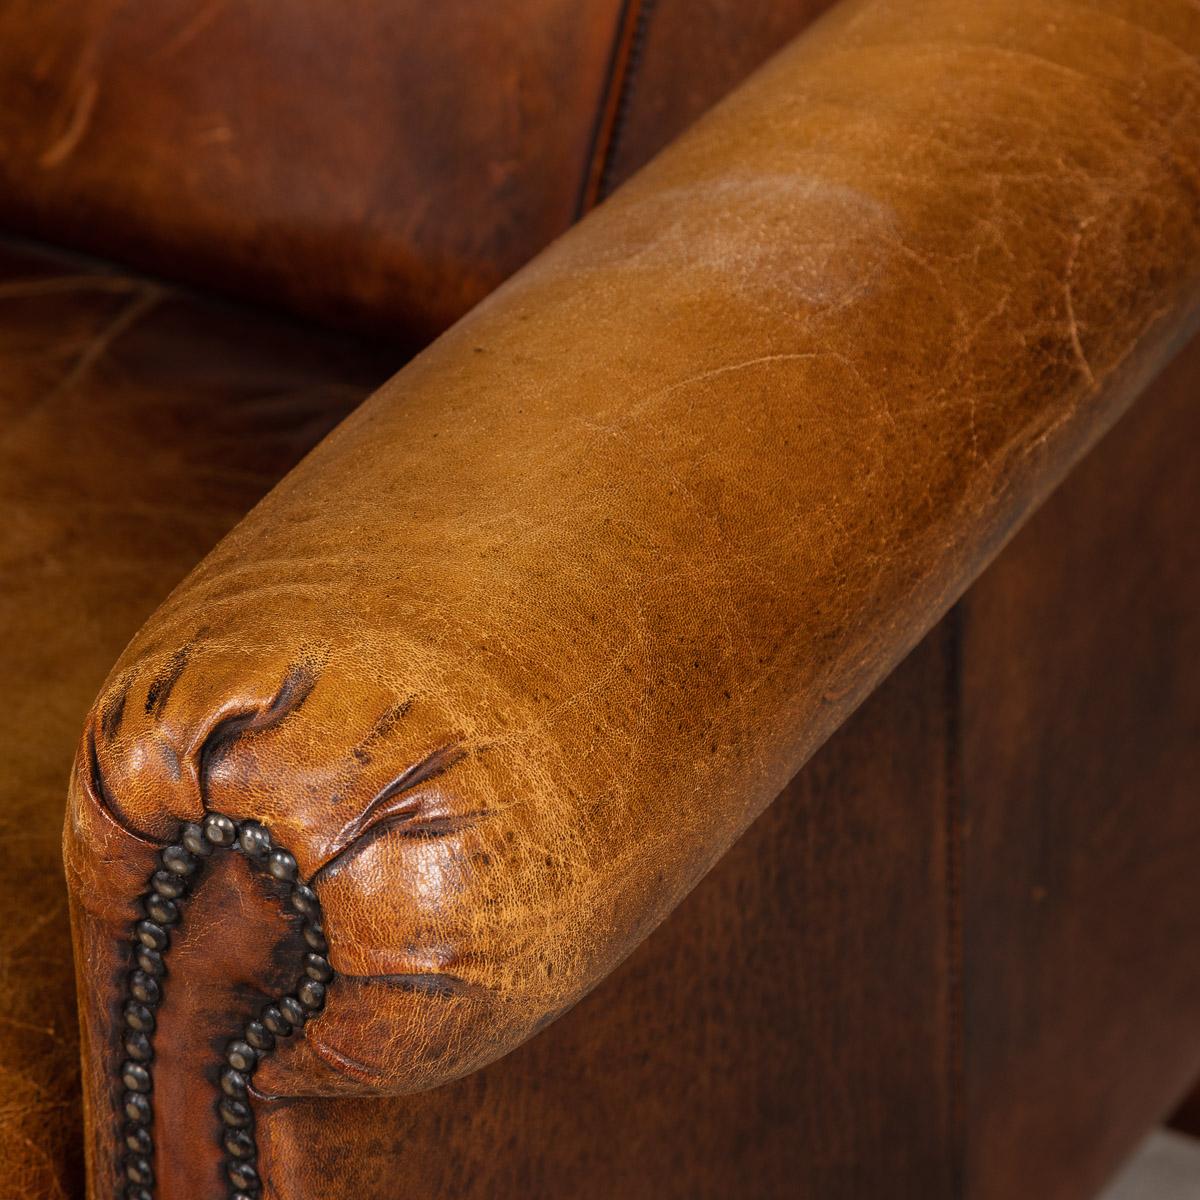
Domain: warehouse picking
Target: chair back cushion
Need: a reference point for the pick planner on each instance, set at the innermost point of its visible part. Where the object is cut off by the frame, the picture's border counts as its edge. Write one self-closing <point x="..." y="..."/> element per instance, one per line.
<point x="387" y="161"/>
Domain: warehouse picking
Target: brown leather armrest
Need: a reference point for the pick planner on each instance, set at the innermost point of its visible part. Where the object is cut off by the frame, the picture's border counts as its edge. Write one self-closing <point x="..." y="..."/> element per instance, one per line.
<point x="514" y="656"/>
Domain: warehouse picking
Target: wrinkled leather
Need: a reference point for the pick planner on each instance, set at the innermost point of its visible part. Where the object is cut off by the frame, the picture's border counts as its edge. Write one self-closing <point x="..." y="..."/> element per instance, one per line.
<point x="136" y="425"/>
<point x="545" y="624"/>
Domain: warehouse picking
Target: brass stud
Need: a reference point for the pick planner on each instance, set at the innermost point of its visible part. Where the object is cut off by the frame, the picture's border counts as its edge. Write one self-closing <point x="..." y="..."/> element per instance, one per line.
<point x="139" y="1017"/>
<point x="178" y="861"/>
<point x="233" y="1083"/>
<point x="293" y="1010"/>
<point x="241" y="1056"/>
<point x="151" y="961"/>
<point x="239" y="1143"/>
<point x="311" y="994"/>
<point x="139" y="1170"/>
<point x="282" y="865"/>
<point x="253" y="840"/>
<point x="138" y="1139"/>
<point x="304" y="901"/>
<point x="195" y="841"/>
<point x="135" y="1077"/>
<point x="275" y="1021"/>
<point x="242" y="1175"/>
<point x="138" y="1047"/>
<point x="259" y="1036"/>
<point x="145" y="987"/>
<point x="151" y="935"/>
<point x="167" y="883"/>
<point x="161" y="910"/>
<point x="219" y="829"/>
<point x="235" y="1113"/>
<point x="316" y="966"/>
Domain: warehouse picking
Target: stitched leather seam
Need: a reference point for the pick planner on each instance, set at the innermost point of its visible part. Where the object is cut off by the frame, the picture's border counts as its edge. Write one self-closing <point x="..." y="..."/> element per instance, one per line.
<point x="615" y="103"/>
<point x="954" y="930"/>
<point x="178" y="867"/>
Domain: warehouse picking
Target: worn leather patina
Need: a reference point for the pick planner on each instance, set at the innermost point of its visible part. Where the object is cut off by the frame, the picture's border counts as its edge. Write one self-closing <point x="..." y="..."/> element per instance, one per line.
<point x="264" y="152"/>
<point x="383" y="163"/>
<point x="139" y="423"/>
<point x="515" y="655"/>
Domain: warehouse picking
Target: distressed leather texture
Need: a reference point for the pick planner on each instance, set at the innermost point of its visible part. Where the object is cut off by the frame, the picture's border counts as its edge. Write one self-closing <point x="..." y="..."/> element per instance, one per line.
<point x="522" y="648"/>
<point x="137" y="424"/>
<point x="321" y="158"/>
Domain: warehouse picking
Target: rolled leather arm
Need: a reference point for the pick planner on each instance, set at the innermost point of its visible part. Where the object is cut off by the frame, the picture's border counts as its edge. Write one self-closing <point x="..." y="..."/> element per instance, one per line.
<point x="520" y="650"/>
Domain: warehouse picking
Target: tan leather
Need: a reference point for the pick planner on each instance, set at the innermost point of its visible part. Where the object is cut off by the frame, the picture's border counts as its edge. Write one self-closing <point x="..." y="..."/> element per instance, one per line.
<point x="136" y="425"/>
<point x="765" y="1043"/>
<point x="597" y="572"/>
<point x="269" y="151"/>
<point x="920" y="974"/>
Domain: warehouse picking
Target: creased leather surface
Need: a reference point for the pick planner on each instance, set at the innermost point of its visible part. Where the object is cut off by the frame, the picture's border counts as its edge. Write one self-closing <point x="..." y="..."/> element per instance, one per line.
<point x="548" y="621"/>
<point x="136" y="425"/>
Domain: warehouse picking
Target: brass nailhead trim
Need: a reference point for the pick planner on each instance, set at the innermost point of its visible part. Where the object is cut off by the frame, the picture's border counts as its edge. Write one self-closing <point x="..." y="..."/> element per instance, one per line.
<point x="162" y="904"/>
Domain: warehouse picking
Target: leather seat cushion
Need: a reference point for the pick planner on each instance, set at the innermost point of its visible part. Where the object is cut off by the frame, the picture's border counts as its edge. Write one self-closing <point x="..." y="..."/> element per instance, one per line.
<point x="137" y="424"/>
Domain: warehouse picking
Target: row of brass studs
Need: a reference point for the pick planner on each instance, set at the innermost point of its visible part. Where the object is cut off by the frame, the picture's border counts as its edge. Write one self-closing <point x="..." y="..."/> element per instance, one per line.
<point x="175" y="872"/>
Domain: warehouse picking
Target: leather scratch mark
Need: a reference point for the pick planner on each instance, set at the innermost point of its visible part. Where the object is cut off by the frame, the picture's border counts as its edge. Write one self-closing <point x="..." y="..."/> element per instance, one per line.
<point x="24" y="289"/>
<point x="64" y="145"/>
<point x="433" y="985"/>
<point x="100" y="345"/>
<point x="428" y="768"/>
<point x="193" y="28"/>
<point x="1072" y="322"/>
<point x="437" y="984"/>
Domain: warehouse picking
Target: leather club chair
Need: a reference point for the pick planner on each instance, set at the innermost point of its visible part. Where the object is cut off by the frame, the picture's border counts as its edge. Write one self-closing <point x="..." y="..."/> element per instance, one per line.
<point x="726" y="497"/>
